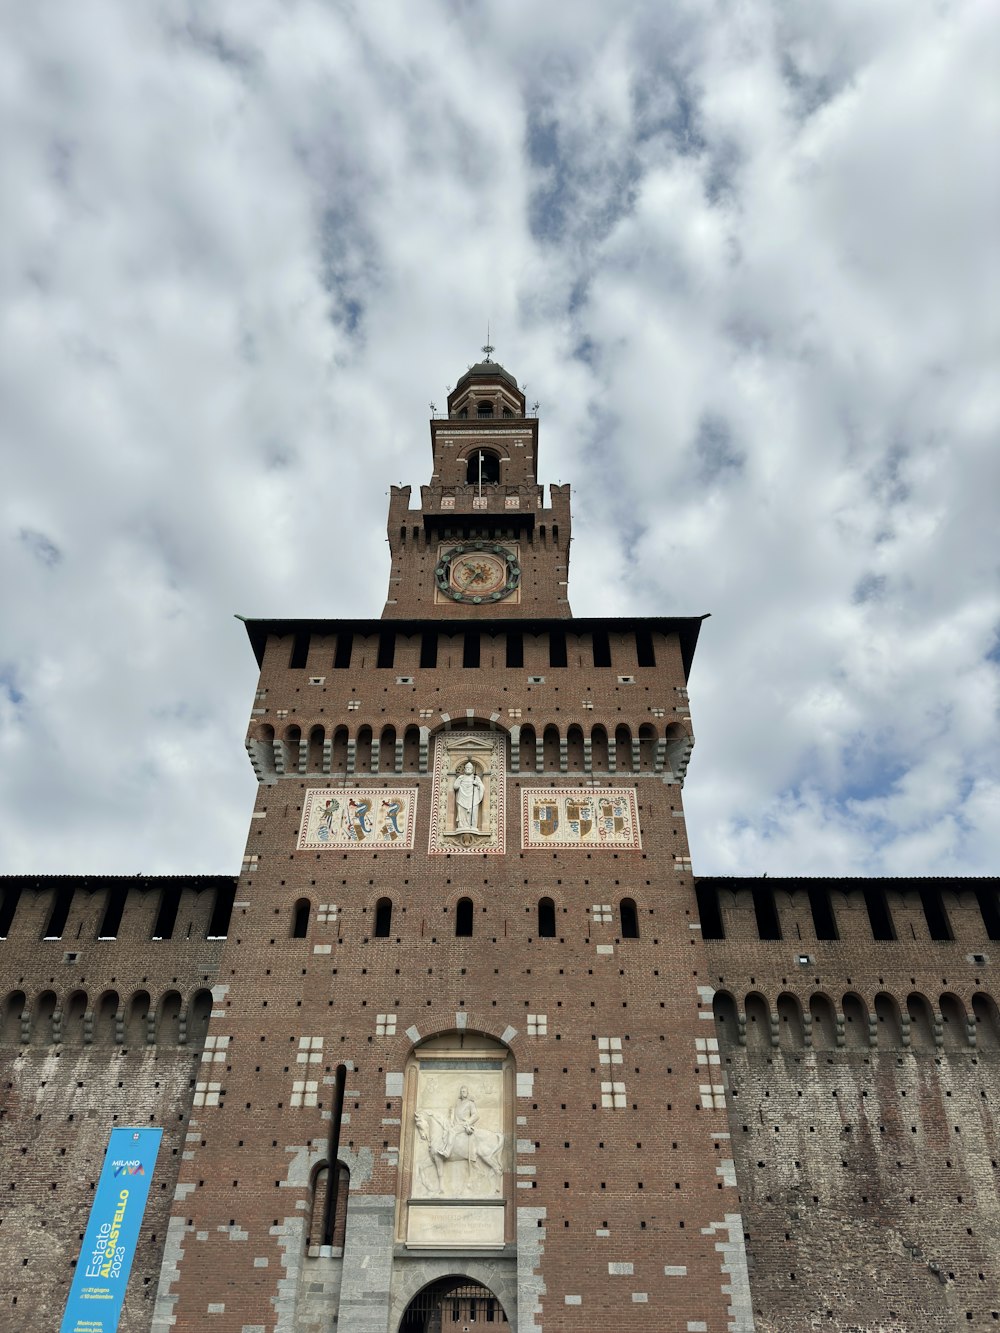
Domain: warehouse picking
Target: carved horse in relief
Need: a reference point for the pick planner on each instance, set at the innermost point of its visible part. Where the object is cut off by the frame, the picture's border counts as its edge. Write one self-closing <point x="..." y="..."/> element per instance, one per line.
<point x="481" y="1150"/>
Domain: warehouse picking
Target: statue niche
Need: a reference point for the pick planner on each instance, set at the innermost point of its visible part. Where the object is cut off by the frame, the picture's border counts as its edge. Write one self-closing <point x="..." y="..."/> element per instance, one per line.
<point x="468" y="811"/>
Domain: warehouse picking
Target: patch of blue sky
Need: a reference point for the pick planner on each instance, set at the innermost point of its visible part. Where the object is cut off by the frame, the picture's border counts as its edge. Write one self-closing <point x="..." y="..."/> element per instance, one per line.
<point x="716" y="452"/>
<point x="9" y="686"/>
<point x="869" y="588"/>
<point x="665" y="106"/>
<point x="877" y="780"/>
<point x="43" y="548"/>
<point x="993" y="654"/>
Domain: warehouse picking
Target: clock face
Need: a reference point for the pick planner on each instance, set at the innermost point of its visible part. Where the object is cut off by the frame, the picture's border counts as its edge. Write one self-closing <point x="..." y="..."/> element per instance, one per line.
<point x="477" y="572"/>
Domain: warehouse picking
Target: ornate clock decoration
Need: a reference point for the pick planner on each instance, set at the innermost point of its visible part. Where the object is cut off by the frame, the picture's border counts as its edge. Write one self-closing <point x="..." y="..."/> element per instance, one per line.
<point x="477" y="572"/>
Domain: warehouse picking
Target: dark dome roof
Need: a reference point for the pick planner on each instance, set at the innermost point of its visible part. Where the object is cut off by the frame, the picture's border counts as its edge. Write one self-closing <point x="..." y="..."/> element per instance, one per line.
<point x="486" y="369"/>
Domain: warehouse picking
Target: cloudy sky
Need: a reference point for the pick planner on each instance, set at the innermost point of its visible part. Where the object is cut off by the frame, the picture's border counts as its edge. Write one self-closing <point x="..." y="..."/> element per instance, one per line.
<point x="745" y="257"/>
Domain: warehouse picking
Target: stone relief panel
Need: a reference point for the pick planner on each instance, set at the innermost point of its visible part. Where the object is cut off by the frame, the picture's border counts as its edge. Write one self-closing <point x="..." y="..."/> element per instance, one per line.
<point x="378" y="818"/>
<point x="456" y="1179"/>
<point x="468" y="792"/>
<point x="580" y="817"/>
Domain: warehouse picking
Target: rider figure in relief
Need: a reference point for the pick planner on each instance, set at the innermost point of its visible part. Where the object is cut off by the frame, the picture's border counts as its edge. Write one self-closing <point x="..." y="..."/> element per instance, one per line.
<point x="464" y="1118"/>
<point x="468" y="786"/>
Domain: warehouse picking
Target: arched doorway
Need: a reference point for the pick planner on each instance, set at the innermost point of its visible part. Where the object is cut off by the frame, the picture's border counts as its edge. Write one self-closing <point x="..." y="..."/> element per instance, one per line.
<point x="453" y="1304"/>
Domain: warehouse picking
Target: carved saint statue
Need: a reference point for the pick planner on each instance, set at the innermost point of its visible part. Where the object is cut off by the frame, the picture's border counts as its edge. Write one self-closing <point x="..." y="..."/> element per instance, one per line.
<point x="468" y="787"/>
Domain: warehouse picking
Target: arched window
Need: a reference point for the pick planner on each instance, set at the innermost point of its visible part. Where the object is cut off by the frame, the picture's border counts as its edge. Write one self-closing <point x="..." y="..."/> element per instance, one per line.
<point x="623" y="749"/>
<point x="490" y="463"/>
<point x="546" y="919"/>
<point x="629" y="919"/>
<point x="463" y="916"/>
<point x="300" y="920"/>
<point x="484" y="408"/>
<point x="383" y="919"/>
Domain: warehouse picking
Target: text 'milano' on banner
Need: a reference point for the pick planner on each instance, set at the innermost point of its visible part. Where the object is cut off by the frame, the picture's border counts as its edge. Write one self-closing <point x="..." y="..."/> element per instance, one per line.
<point x="97" y="1292"/>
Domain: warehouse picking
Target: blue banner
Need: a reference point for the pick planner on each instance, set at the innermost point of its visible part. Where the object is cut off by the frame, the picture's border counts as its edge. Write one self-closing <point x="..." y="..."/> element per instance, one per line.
<point x="98" y="1290"/>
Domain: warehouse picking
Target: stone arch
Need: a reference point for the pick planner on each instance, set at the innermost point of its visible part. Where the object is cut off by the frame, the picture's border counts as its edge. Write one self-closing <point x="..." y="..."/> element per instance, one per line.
<point x="984" y="1009"/>
<point x="136" y="1024"/>
<point x="791" y="1030"/>
<point x="526" y="749"/>
<point x="363" y="750"/>
<point x="574" y="749"/>
<point x="327" y="1221"/>
<point x="758" y="1015"/>
<point x="432" y="1278"/>
<point x="550" y="748"/>
<point x="599" y="760"/>
<point x="647" y="747"/>
<point x="856" y="1028"/>
<point x="106" y="1019"/>
<point x="954" y="1022"/>
<point x="42" y="1013"/>
<point x="199" y="1013"/>
<point x="727" y="1024"/>
<point x="921" y="1017"/>
<point x="824" y="1021"/>
<point x="411" y="750"/>
<point x="168" y="1019"/>
<point x="293" y="746"/>
<point x="11" y="1017"/>
<point x="387" y="749"/>
<point x="74" y="1026"/>
<point x="889" y="1020"/>
<point x="317" y="739"/>
<point x="623" y="748"/>
<point x="677" y="749"/>
<point x="338" y="753"/>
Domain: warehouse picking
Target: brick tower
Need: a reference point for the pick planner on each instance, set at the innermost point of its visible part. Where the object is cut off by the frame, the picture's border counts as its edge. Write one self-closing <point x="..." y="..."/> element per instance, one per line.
<point x="461" y="1065"/>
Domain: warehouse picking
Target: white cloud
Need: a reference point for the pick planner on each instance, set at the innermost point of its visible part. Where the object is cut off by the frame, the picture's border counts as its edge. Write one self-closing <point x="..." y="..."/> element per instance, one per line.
<point x="741" y="256"/>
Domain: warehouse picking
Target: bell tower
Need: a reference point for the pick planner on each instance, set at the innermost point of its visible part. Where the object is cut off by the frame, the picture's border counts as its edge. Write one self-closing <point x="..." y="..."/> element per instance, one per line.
<point x="482" y="542"/>
<point x="460" y="1020"/>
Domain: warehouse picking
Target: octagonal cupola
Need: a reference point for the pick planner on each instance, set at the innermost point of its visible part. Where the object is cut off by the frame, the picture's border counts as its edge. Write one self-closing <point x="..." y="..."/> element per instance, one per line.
<point x="486" y="391"/>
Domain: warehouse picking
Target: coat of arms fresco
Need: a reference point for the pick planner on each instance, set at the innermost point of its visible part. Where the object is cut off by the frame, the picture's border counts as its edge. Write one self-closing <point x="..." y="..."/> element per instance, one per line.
<point x="580" y="817"/>
<point x="350" y="817"/>
<point x="469" y="809"/>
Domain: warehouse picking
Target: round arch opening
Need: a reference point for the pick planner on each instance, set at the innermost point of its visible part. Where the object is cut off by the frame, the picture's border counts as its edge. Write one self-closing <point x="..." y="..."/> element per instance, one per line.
<point x="454" y="1304"/>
